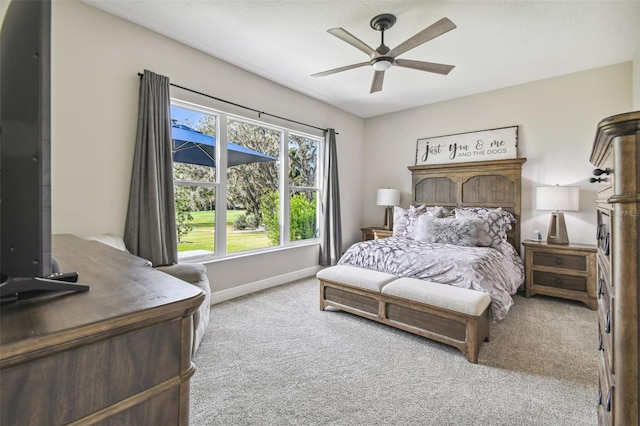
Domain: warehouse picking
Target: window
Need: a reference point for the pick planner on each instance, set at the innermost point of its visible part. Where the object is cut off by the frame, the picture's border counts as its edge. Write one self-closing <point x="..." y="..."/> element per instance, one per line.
<point x="255" y="216"/>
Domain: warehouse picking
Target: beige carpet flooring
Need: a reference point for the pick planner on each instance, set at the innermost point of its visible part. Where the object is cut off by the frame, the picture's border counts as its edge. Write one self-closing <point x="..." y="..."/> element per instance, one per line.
<point x="273" y="358"/>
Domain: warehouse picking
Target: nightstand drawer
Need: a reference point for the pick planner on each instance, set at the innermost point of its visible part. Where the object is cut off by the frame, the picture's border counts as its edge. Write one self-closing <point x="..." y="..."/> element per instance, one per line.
<point x="565" y="282"/>
<point x="373" y="233"/>
<point x="560" y="260"/>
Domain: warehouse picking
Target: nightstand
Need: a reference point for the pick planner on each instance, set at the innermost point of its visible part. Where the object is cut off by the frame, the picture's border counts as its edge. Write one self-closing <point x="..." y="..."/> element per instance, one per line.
<point x="561" y="270"/>
<point x="373" y="233"/>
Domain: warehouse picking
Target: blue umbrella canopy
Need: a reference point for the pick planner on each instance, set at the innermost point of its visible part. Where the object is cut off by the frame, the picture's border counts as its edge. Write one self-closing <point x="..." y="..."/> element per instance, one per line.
<point x="194" y="147"/>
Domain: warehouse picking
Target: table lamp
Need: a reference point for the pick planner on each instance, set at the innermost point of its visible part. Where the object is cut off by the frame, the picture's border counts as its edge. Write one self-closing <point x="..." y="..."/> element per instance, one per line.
<point x="557" y="198"/>
<point x="388" y="198"/>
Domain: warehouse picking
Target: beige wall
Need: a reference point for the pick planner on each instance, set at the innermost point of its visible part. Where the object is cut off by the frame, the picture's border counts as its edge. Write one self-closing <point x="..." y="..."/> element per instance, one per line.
<point x="636" y="72"/>
<point x="636" y="80"/>
<point x="96" y="59"/>
<point x="557" y="119"/>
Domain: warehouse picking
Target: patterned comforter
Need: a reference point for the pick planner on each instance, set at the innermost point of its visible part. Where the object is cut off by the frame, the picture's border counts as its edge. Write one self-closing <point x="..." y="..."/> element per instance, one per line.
<point x="497" y="271"/>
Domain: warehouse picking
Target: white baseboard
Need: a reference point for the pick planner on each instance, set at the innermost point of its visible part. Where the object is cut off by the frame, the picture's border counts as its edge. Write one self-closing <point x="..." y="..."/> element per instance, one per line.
<point x="242" y="290"/>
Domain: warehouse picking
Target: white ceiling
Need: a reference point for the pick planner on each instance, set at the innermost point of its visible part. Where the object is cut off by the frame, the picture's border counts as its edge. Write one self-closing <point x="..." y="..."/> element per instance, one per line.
<point x="496" y="43"/>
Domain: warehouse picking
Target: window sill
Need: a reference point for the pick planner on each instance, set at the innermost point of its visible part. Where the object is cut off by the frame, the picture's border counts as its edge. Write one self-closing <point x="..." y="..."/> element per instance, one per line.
<point x="209" y="257"/>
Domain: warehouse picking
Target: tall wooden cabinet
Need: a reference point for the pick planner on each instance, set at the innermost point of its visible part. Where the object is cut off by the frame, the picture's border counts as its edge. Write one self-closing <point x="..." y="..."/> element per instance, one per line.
<point x="616" y="156"/>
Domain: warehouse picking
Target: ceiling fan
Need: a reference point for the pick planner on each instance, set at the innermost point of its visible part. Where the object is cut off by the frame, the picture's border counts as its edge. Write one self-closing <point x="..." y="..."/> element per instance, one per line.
<point x="382" y="58"/>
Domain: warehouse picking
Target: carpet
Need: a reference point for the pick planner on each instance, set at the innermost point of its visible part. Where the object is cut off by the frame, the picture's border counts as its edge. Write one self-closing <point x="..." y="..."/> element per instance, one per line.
<point x="273" y="358"/>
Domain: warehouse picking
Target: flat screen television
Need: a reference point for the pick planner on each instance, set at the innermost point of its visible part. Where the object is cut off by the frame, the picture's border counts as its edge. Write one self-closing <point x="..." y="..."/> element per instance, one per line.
<point x="26" y="264"/>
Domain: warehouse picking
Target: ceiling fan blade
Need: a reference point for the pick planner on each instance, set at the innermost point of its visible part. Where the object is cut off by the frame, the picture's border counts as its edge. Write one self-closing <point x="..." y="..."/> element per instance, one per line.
<point x="442" y="26"/>
<point x="376" y="84"/>
<point x="424" y="66"/>
<point x="337" y="70"/>
<point x="346" y="36"/>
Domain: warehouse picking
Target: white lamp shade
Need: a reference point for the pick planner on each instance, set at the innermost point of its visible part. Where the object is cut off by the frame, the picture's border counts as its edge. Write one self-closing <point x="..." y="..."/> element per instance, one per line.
<point x="388" y="197"/>
<point x="558" y="198"/>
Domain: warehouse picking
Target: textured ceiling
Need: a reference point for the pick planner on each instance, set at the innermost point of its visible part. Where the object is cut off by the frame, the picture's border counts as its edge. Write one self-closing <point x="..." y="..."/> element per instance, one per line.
<point x="496" y="43"/>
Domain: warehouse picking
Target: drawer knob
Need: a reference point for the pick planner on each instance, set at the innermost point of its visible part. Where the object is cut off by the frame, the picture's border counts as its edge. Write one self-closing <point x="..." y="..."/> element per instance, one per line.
<point x="598" y="172"/>
<point x="558" y="261"/>
<point x="607" y="323"/>
<point x="594" y="180"/>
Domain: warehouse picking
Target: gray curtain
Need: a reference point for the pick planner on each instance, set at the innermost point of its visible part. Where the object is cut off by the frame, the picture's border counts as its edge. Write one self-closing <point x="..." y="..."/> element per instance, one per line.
<point x="150" y="230"/>
<point x="331" y="243"/>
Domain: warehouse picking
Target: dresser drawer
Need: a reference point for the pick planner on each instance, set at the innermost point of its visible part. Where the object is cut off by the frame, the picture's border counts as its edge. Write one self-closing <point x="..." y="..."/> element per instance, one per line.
<point x="605" y="186"/>
<point x="565" y="282"/>
<point x="605" y="336"/>
<point x="560" y="260"/>
<point x="605" y="394"/>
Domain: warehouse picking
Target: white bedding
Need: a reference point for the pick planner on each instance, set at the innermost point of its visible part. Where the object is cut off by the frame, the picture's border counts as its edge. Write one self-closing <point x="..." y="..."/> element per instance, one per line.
<point x="497" y="271"/>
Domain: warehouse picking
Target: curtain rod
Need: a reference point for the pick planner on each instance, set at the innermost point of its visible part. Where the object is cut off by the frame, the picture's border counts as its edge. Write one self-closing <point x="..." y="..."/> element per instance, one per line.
<point x="242" y="106"/>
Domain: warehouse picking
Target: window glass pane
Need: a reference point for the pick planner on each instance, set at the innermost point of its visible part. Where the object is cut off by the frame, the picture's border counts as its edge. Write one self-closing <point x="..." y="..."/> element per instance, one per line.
<point x="194" y="144"/>
<point x="253" y="213"/>
<point x="194" y="152"/>
<point x="303" y="161"/>
<point x="195" y="219"/>
<point x="303" y="215"/>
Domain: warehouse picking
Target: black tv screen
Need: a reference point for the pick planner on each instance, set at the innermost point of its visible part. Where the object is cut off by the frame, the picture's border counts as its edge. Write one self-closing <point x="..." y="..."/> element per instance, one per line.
<point x="25" y="150"/>
<point x="25" y="178"/>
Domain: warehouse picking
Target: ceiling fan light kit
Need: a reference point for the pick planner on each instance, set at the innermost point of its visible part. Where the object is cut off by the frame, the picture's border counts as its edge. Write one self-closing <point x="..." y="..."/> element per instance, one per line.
<point x="382" y="64"/>
<point x="382" y="58"/>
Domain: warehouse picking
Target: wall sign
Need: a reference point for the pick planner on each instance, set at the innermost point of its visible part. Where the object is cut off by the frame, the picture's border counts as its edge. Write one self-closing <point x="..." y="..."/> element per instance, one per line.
<point x="493" y="144"/>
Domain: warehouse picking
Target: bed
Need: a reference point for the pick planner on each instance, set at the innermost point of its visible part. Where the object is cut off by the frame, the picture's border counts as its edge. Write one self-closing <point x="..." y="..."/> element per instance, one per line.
<point x="462" y="229"/>
<point x="455" y="196"/>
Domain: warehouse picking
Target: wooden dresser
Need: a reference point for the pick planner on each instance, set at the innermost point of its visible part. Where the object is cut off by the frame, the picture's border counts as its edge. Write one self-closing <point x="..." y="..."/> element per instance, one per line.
<point x="616" y="155"/>
<point x="117" y="354"/>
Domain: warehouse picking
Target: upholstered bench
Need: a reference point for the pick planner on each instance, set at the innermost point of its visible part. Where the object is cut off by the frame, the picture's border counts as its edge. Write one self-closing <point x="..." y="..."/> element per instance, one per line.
<point x="455" y="316"/>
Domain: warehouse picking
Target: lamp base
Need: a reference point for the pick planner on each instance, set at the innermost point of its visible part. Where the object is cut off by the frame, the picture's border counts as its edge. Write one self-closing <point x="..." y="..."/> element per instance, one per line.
<point x="388" y="218"/>
<point x="557" y="229"/>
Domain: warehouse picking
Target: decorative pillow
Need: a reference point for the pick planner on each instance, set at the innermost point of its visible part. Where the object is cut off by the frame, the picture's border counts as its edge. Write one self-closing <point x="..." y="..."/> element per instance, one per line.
<point x="459" y="232"/>
<point x="403" y="219"/>
<point x="495" y="223"/>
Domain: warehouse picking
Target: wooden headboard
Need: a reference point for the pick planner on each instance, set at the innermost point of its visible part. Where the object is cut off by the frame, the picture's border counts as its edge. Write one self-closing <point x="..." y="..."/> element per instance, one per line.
<point x="495" y="183"/>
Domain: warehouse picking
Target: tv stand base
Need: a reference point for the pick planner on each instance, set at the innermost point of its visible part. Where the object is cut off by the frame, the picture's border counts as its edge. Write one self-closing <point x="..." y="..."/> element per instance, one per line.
<point x="15" y="288"/>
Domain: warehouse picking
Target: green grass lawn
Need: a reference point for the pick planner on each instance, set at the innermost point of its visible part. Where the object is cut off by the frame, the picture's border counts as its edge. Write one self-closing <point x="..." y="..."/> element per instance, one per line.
<point x="201" y="237"/>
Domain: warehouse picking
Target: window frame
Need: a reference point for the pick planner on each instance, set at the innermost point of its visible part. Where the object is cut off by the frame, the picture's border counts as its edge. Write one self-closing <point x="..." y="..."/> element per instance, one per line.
<point x="220" y="184"/>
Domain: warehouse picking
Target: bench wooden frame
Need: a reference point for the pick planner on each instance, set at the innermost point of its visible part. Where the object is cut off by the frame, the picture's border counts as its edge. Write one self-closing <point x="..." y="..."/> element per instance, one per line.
<point x="457" y="329"/>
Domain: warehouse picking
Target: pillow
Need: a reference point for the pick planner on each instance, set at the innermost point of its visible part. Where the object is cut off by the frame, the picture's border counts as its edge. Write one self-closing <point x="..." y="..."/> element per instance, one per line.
<point x="495" y="223"/>
<point x="459" y="232"/>
<point x="403" y="219"/>
<point x="482" y="211"/>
